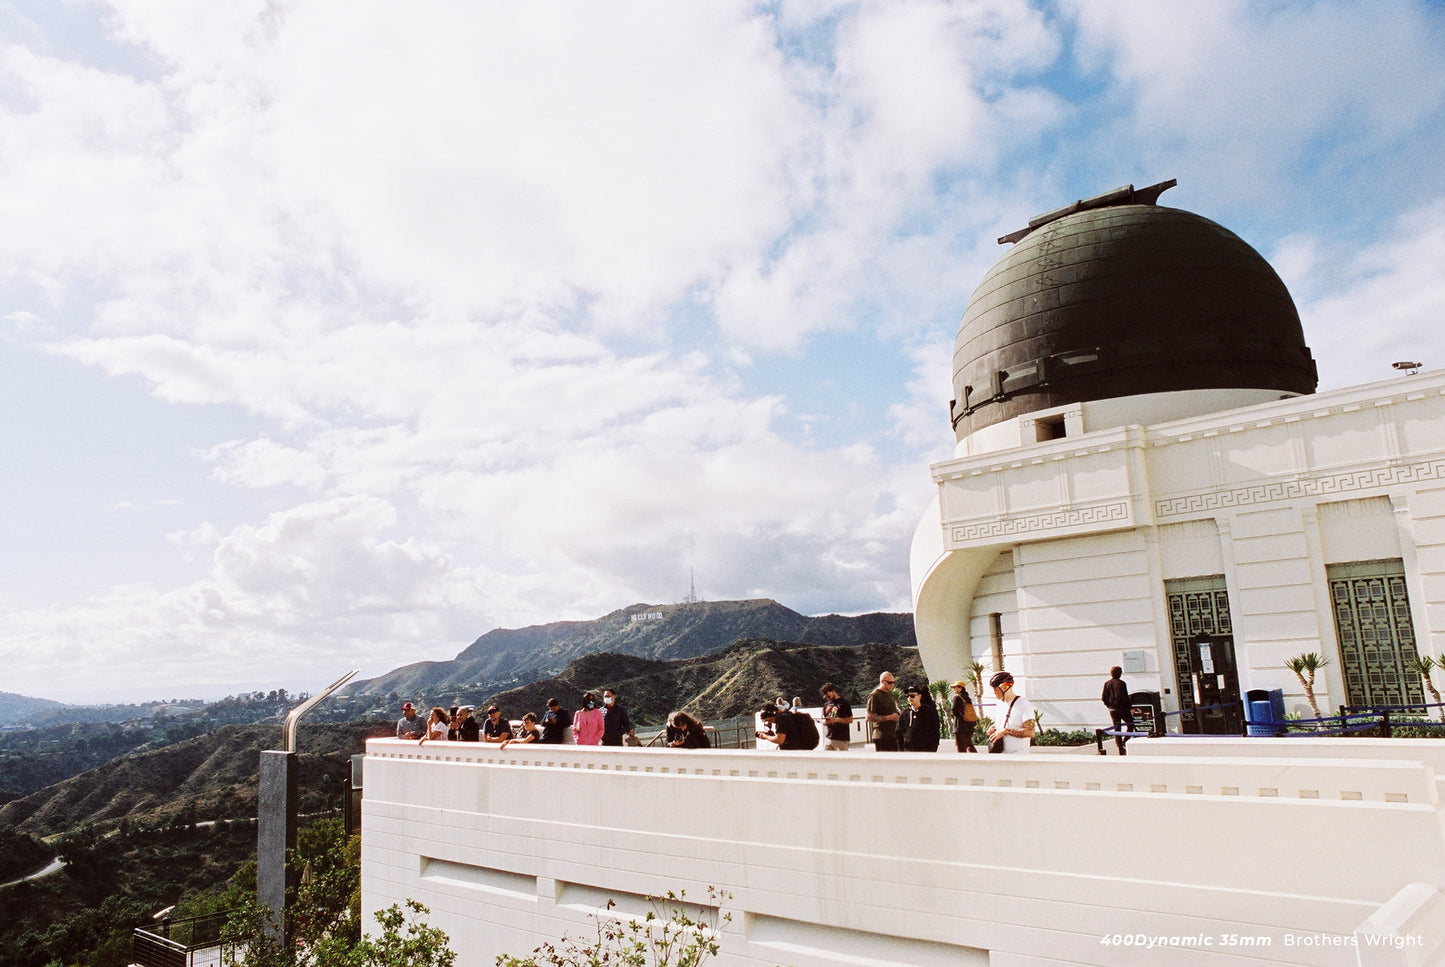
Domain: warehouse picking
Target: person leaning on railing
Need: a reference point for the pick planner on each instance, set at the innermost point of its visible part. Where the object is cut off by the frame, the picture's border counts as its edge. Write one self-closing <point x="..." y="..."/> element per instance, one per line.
<point x="686" y="732"/>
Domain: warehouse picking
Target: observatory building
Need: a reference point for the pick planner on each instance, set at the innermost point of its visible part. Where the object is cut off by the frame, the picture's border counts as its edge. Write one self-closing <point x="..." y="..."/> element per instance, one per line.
<point x="1145" y="476"/>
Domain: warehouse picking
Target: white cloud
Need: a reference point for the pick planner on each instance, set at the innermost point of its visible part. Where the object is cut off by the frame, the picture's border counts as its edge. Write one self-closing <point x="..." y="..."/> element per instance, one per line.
<point x="1230" y="94"/>
<point x="470" y="308"/>
<point x="1382" y="305"/>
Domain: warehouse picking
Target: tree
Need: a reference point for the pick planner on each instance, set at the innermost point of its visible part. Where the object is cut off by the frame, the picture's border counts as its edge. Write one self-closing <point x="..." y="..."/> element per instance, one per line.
<point x="1304" y="666"/>
<point x="326" y="916"/>
<point x="1423" y="665"/>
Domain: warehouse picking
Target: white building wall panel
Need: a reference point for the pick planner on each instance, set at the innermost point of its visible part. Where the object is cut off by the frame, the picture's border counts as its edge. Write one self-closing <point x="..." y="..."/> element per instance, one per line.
<point x="1074" y="636"/>
<point x="1190" y="549"/>
<point x="1258" y="455"/>
<point x="997" y="594"/>
<point x="1358" y="530"/>
<point x="1347" y="438"/>
<point x="896" y="858"/>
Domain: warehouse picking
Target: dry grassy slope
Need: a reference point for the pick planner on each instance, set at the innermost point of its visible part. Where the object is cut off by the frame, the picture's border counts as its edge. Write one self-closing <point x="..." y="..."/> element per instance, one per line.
<point x="735" y="680"/>
<point x="682" y="631"/>
<point x="212" y="776"/>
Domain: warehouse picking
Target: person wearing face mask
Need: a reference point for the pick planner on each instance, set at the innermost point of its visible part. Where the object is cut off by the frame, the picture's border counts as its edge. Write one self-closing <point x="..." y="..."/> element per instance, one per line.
<point x="587" y="723"/>
<point x="616" y="726"/>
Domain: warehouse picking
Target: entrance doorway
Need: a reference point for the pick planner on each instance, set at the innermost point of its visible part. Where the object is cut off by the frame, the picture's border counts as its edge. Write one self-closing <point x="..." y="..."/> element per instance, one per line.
<point x="1202" y="638"/>
<point x="1376" y="634"/>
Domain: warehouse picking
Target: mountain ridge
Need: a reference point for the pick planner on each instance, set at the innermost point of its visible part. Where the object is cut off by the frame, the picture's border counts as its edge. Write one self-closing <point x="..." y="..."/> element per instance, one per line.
<point x="504" y="658"/>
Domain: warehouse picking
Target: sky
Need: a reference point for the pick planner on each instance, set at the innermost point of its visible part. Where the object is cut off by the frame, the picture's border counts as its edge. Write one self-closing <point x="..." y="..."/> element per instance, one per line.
<point x="333" y="336"/>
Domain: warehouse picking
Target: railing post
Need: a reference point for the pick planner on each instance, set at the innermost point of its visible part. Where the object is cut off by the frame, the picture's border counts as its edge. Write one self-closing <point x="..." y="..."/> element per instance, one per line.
<point x="1385" y="724"/>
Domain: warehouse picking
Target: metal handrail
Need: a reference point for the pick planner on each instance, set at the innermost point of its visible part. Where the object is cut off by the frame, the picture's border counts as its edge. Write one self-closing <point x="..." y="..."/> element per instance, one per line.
<point x="293" y="719"/>
<point x="173" y="943"/>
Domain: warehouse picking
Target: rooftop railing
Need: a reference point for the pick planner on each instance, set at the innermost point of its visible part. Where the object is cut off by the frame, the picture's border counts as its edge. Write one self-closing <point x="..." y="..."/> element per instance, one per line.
<point x="182" y="942"/>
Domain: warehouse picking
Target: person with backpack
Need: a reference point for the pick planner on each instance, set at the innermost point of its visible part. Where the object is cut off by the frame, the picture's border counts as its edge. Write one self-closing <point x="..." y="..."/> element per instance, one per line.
<point x="790" y="731"/>
<point x="965" y="718"/>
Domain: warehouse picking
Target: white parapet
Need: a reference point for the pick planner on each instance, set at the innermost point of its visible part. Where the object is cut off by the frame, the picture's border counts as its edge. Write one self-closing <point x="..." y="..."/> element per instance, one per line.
<point x="880" y="859"/>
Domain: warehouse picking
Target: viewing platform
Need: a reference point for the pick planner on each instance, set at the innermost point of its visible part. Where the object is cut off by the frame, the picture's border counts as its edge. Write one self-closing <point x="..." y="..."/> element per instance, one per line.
<point x="1298" y="851"/>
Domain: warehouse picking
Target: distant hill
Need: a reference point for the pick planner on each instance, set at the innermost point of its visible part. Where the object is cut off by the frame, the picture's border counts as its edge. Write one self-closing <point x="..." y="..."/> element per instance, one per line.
<point x="22" y="709"/>
<point x="212" y="776"/>
<point x="730" y="682"/>
<point x="508" y="657"/>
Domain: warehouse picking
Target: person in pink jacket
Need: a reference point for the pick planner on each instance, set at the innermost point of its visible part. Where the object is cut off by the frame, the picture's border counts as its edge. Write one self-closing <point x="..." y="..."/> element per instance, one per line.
<point x="587" y="723"/>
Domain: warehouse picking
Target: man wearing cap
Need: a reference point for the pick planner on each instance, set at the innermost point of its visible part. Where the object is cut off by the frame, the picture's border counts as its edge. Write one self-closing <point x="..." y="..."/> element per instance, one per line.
<point x="496" y="728"/>
<point x="883" y="715"/>
<point x="965" y="717"/>
<point x="409" y="726"/>
<point x="1015" y="725"/>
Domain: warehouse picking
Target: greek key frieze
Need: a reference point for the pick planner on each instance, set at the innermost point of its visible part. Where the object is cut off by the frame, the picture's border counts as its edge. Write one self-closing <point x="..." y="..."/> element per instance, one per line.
<point x="1015" y="525"/>
<point x="1319" y="485"/>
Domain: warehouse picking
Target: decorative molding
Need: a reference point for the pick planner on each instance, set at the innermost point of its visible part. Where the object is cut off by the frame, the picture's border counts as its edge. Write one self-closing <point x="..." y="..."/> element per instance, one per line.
<point x="1318" y="485"/>
<point x="1358" y="507"/>
<point x="992" y="529"/>
<point x="1203" y="529"/>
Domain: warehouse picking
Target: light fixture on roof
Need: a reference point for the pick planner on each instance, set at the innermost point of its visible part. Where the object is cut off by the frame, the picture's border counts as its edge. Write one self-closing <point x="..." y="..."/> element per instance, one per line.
<point x="1410" y="368"/>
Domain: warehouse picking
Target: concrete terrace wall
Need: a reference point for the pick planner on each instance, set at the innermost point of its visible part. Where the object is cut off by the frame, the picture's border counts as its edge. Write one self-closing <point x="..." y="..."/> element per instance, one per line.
<point x="867" y="858"/>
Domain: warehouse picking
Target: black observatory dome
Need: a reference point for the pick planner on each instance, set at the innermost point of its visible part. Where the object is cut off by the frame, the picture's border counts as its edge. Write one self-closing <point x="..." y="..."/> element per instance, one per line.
<point x="1115" y="296"/>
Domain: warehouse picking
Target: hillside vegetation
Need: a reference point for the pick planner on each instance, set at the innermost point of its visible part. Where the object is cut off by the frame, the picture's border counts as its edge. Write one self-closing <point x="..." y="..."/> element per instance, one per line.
<point x="730" y="682"/>
<point x="508" y="657"/>
<point x="209" y="777"/>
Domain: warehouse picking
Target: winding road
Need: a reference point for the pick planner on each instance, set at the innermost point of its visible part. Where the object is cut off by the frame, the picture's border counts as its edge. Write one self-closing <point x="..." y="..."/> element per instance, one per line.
<point x="55" y="865"/>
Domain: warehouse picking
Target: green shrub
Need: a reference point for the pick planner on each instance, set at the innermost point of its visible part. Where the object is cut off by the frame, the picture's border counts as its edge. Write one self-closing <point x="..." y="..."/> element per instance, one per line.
<point x="1060" y="737"/>
<point x="673" y="933"/>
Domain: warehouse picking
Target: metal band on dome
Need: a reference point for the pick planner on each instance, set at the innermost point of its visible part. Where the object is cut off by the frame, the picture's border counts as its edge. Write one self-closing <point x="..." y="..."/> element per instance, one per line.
<point x="1128" y="195"/>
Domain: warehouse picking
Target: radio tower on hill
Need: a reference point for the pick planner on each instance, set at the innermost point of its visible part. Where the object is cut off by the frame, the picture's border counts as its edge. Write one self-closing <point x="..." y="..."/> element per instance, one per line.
<point x="692" y="587"/>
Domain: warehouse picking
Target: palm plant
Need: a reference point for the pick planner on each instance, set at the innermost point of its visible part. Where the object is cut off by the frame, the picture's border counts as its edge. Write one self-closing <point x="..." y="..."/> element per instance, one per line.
<point x="976" y="678"/>
<point x="1304" y="666"/>
<point x="1423" y="665"/>
<point x="940" y="690"/>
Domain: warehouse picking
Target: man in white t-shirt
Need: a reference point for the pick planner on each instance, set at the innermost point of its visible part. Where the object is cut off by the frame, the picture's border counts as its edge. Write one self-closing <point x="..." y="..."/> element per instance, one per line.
<point x="1015" y="718"/>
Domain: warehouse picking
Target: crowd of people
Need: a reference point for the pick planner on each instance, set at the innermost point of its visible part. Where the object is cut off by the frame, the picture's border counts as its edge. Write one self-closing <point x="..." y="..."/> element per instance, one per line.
<point x="914" y="726"/>
<point x="602" y="722"/>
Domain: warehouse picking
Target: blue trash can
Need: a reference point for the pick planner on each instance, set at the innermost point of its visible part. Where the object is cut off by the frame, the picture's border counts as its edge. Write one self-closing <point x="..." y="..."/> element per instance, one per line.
<point x="1262" y="709"/>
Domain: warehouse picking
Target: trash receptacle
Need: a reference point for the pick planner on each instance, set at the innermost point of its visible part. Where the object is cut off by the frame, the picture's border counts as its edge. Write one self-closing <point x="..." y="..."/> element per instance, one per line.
<point x="1148" y="712"/>
<point x="1264" y="711"/>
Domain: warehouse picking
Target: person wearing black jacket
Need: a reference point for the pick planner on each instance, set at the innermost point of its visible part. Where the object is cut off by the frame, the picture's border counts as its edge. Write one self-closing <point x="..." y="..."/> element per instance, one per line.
<point x="790" y="731"/>
<point x="556" y="723"/>
<point x="922" y="733"/>
<point x="686" y="732"/>
<point x="615" y="723"/>
<point x="1116" y="700"/>
<point x="467" y="728"/>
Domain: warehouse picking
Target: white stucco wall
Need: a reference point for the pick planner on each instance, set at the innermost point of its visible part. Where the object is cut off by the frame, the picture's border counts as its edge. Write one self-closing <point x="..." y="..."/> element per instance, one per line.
<point x="899" y="859"/>
<point x="1267" y="495"/>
